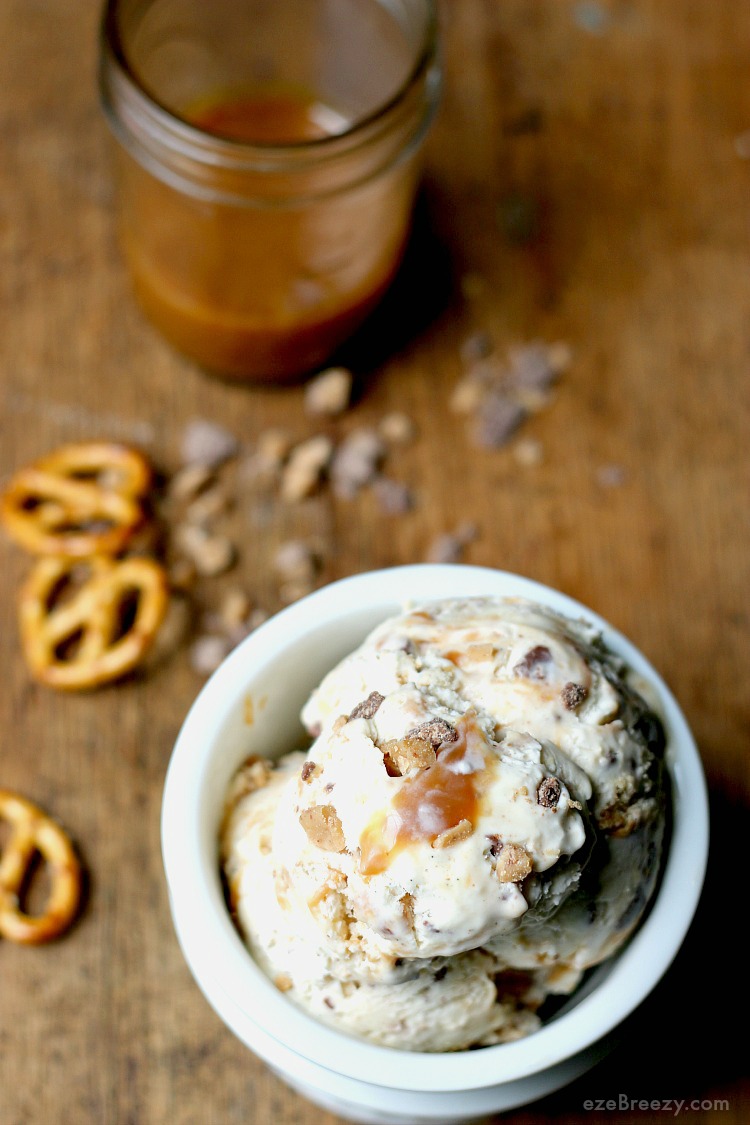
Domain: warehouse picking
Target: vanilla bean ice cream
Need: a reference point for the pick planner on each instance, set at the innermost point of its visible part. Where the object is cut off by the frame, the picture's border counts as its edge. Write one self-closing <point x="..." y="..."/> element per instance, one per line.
<point x="479" y="819"/>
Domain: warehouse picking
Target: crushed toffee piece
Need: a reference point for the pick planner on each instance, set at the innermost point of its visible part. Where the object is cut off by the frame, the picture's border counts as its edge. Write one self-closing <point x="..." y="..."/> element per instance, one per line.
<point x="534" y="665"/>
<point x="573" y="695"/>
<point x="368" y="707"/>
<point x="548" y="793"/>
<point x="434" y="731"/>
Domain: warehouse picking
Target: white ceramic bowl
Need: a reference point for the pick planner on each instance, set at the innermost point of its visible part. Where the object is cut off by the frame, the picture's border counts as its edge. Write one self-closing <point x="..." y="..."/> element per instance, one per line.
<point x="251" y="705"/>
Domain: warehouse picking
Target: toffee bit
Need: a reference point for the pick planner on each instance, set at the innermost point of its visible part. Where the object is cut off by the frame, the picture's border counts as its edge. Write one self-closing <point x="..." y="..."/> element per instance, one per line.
<point x="513" y="863"/>
<point x="207" y="653"/>
<point x="611" y="476"/>
<point x="356" y="462"/>
<point x="368" y="707"/>
<point x="548" y="793"/>
<point x="498" y="418"/>
<point x="532" y="367"/>
<point x="207" y="443"/>
<point x="295" y="561"/>
<point x="340" y="723"/>
<point x="393" y="496"/>
<point x="434" y="731"/>
<point x="534" y="664"/>
<point x="449" y="546"/>
<point x="309" y="769"/>
<point x="573" y="695"/>
<point x="479" y="345"/>
<point x="513" y="984"/>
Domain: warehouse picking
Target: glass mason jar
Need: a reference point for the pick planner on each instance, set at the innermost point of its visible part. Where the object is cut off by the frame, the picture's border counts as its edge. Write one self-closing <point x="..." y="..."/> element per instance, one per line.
<point x="267" y="167"/>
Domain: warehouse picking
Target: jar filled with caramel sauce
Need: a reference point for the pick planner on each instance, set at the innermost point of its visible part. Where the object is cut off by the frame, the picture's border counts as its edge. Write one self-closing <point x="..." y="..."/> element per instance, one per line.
<point x="268" y="162"/>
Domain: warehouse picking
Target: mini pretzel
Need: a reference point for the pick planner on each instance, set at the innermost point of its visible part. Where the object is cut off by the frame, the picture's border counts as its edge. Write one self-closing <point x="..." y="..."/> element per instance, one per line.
<point x="32" y="832"/>
<point x="80" y="500"/>
<point x="101" y="645"/>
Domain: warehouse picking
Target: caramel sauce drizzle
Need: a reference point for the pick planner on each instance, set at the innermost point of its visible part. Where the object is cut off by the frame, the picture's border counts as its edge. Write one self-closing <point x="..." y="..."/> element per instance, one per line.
<point x="430" y="802"/>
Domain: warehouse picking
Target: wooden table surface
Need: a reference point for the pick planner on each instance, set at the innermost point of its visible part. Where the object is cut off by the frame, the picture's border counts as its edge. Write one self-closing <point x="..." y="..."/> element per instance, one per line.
<point x="587" y="181"/>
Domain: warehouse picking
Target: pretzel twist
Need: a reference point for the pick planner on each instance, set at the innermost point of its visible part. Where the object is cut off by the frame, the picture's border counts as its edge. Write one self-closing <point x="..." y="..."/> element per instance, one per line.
<point x="32" y="832"/>
<point x="90" y="619"/>
<point x="80" y="500"/>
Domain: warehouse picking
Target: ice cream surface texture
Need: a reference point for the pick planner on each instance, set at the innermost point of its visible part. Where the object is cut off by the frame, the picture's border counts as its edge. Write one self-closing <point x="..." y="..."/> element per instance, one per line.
<point x="479" y="819"/>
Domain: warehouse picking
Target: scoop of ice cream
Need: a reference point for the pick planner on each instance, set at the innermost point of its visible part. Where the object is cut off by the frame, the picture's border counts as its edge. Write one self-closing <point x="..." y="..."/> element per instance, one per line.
<point x="482" y="803"/>
<point x="426" y="838"/>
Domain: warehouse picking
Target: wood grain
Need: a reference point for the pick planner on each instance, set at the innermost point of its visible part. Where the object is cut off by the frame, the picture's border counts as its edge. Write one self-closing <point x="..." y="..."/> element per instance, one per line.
<point x="582" y="184"/>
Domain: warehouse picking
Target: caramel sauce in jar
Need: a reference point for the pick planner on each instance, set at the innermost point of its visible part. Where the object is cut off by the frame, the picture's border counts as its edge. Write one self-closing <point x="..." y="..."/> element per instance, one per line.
<point x="429" y="802"/>
<point x="262" y="292"/>
<point x="272" y="117"/>
<point x="268" y="163"/>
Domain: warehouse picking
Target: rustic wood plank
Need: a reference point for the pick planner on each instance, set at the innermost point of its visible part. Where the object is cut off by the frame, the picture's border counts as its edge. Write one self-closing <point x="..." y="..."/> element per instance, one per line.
<point x="582" y="184"/>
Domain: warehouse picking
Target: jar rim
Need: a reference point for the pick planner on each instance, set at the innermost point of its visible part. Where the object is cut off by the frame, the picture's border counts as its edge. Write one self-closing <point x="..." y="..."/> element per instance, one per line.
<point x="237" y="151"/>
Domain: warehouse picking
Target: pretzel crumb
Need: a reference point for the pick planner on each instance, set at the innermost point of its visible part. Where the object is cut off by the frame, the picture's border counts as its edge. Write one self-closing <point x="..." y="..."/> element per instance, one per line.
<point x="329" y="392"/>
<point x="409" y="753"/>
<point x="189" y="481"/>
<point x="323" y="828"/>
<point x="253" y="774"/>
<point x="211" y="554"/>
<point x="513" y="863"/>
<point x="304" y="470"/>
<point x="397" y="428"/>
<point x="454" y="835"/>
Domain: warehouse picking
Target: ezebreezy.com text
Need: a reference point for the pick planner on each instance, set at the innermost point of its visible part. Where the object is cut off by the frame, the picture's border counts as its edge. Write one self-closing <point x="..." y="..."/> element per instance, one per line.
<point x="624" y="1103"/>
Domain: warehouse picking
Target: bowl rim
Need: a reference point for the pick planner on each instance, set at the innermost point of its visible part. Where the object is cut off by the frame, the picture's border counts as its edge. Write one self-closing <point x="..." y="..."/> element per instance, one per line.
<point x="219" y="960"/>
